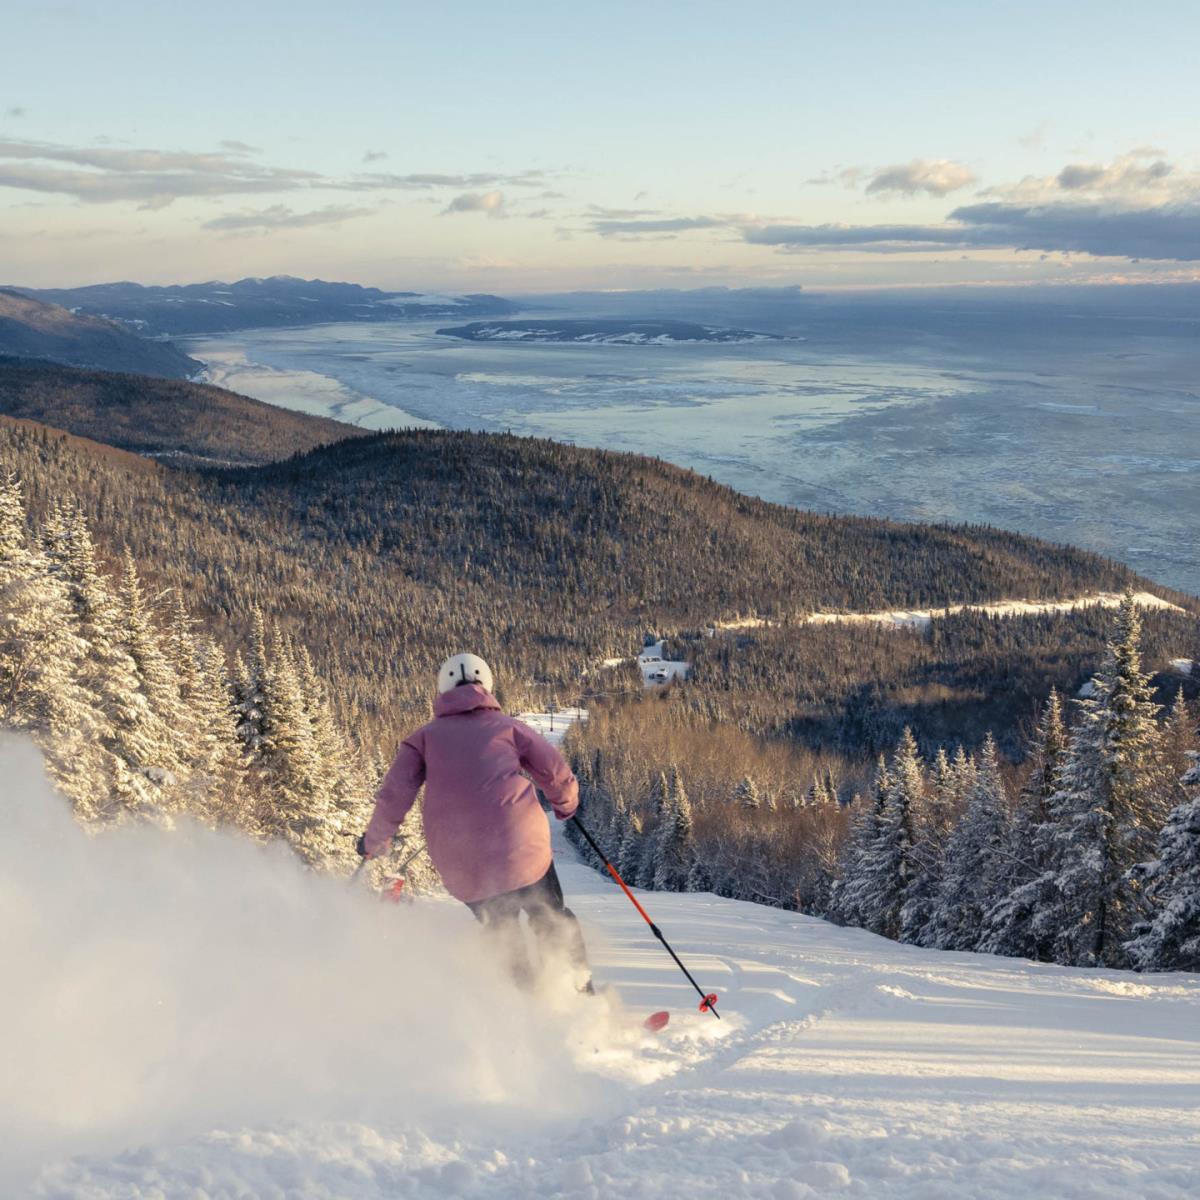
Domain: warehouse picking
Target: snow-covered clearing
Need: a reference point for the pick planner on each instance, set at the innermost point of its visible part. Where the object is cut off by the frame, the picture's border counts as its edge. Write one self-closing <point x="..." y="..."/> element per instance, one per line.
<point x="923" y="616"/>
<point x="655" y="669"/>
<point x="186" y="1015"/>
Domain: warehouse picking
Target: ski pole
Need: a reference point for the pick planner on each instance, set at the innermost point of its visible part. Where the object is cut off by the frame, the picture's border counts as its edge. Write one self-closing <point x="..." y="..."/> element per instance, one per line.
<point x="708" y="1000"/>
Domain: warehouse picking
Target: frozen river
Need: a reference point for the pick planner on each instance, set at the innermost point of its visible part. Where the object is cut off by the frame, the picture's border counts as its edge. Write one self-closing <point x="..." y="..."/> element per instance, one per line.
<point x="1077" y="431"/>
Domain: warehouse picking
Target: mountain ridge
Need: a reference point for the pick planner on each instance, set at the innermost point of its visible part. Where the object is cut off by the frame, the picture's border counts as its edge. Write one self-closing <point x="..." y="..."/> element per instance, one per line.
<point x="216" y="306"/>
<point x="38" y="329"/>
<point x="184" y="421"/>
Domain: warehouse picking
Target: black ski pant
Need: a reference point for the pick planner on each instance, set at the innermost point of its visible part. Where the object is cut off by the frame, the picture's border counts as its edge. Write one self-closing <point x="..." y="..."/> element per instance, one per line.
<point x="554" y="926"/>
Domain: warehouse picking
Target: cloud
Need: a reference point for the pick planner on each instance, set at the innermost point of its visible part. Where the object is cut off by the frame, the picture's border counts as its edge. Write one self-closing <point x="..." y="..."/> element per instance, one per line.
<point x="1123" y="174"/>
<point x="1137" y="206"/>
<point x="154" y="178"/>
<point x="842" y="237"/>
<point x="1143" y="175"/>
<point x="491" y="203"/>
<point x="621" y="214"/>
<point x="374" y="156"/>
<point x="99" y="174"/>
<point x="1165" y="232"/>
<point x="280" y="216"/>
<point x="669" y="225"/>
<point x="1160" y="232"/>
<point x="932" y="176"/>
<point x="421" y="181"/>
<point x="16" y="110"/>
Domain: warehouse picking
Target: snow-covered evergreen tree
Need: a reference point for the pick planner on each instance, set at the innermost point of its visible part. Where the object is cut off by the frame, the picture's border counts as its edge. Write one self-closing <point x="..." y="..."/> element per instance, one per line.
<point x="219" y="764"/>
<point x="1110" y="806"/>
<point x="673" y="850"/>
<point x="340" y="774"/>
<point x="1017" y="924"/>
<point x="127" y="730"/>
<point x="973" y="860"/>
<point x="1179" y="744"/>
<point x="660" y="794"/>
<point x="166" y="724"/>
<point x="887" y="869"/>
<point x="297" y="805"/>
<point x="852" y="889"/>
<point x="1170" y="939"/>
<point x="40" y="656"/>
<point x="746" y="794"/>
<point x="629" y="853"/>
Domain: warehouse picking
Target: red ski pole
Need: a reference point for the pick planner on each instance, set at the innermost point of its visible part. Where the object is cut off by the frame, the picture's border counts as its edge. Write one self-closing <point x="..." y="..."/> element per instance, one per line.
<point x="708" y="1001"/>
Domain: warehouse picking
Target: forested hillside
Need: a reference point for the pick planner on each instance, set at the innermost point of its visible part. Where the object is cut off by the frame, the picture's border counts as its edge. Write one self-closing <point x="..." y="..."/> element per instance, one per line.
<point x="383" y="553"/>
<point x="31" y="328"/>
<point x="166" y="418"/>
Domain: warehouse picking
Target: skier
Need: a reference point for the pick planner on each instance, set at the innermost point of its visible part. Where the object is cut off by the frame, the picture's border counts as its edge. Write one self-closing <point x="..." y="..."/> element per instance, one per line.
<point x="485" y="830"/>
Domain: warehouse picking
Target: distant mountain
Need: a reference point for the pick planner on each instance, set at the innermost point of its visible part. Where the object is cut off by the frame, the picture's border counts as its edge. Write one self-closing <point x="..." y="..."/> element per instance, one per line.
<point x="181" y="423"/>
<point x="605" y="332"/>
<point x="255" y="303"/>
<point x="38" y="329"/>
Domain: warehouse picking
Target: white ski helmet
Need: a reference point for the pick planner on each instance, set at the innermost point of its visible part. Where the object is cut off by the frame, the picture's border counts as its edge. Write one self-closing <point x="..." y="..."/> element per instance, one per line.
<point x="464" y="668"/>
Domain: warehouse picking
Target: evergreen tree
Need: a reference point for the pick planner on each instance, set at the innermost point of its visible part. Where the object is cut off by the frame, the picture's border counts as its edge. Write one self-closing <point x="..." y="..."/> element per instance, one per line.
<point x="40" y="656"/>
<point x="746" y="794"/>
<point x="340" y="775"/>
<point x="673" y="851"/>
<point x="164" y="731"/>
<point x="887" y="872"/>
<point x="251" y="682"/>
<point x="129" y="732"/>
<point x="851" y="899"/>
<point x="1016" y="924"/>
<point x="973" y="859"/>
<point x="1179" y="744"/>
<point x="219" y="764"/>
<point x="660" y="794"/>
<point x="1110" y="806"/>
<point x="1170" y="939"/>
<point x="629" y="852"/>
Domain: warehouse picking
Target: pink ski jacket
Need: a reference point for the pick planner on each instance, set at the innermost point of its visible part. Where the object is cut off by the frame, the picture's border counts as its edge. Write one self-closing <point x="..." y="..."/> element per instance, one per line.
<point x="484" y="827"/>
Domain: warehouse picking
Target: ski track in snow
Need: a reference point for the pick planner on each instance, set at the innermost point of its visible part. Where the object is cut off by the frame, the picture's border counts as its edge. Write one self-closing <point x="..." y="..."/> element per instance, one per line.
<point x="845" y="1065"/>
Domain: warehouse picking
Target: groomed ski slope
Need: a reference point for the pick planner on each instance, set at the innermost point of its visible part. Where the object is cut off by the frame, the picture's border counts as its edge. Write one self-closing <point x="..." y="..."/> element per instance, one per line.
<point x="846" y="1065"/>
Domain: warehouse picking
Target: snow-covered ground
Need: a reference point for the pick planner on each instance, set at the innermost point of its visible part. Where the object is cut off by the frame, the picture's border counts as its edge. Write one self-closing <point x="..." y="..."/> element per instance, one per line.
<point x="657" y="670"/>
<point x="923" y="616"/>
<point x="281" y="1036"/>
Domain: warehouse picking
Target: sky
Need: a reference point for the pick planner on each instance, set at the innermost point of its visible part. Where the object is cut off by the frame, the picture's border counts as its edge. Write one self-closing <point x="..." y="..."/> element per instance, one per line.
<point x="532" y="147"/>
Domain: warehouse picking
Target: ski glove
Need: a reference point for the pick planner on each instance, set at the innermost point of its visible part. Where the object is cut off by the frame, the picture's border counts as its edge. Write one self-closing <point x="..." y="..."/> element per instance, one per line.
<point x="361" y="846"/>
